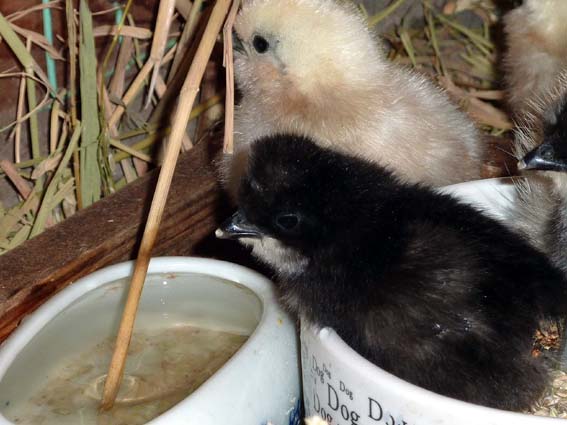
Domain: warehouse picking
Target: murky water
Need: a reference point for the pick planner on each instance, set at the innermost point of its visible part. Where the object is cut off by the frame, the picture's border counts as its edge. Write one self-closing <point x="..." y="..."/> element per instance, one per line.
<point x="163" y="367"/>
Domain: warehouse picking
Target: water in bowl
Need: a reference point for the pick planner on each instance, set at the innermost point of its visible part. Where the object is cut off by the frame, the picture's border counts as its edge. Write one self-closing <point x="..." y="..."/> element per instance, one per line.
<point x="164" y="367"/>
<point x="188" y="326"/>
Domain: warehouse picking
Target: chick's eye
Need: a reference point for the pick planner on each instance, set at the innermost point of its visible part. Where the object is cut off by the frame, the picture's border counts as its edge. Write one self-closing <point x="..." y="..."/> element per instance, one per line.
<point x="260" y="44"/>
<point x="287" y="221"/>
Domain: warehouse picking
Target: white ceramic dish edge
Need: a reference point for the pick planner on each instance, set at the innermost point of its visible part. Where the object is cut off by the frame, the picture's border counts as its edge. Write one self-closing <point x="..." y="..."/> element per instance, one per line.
<point x="197" y="408"/>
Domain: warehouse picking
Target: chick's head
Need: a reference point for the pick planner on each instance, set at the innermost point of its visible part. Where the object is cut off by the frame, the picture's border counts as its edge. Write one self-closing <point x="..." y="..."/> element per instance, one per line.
<point x="299" y="201"/>
<point x="277" y="195"/>
<point x="298" y="53"/>
<point x="546" y="129"/>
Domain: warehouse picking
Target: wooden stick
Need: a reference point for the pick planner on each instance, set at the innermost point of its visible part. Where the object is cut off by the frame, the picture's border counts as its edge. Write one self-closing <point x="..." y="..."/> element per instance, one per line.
<point x="228" y="146"/>
<point x="187" y="97"/>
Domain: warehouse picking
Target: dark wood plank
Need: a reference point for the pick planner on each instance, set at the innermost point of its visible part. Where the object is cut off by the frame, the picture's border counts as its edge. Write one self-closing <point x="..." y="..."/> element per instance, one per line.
<point x="108" y="232"/>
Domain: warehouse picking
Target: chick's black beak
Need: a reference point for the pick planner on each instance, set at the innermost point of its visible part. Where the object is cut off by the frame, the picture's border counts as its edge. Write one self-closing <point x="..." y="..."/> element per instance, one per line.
<point x="237" y="45"/>
<point x="237" y="227"/>
<point x="544" y="157"/>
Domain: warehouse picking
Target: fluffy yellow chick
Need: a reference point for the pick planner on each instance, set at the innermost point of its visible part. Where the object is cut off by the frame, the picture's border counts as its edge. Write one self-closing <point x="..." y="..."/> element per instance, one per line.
<point x="537" y="50"/>
<point x="313" y="68"/>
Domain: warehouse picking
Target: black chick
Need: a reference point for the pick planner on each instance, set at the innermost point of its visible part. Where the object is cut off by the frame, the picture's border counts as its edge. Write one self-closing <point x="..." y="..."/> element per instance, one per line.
<point x="422" y="285"/>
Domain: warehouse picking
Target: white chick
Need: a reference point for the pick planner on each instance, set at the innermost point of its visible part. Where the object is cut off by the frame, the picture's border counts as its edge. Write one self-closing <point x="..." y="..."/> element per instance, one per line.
<point x="540" y="211"/>
<point x="313" y="68"/>
<point x="537" y="50"/>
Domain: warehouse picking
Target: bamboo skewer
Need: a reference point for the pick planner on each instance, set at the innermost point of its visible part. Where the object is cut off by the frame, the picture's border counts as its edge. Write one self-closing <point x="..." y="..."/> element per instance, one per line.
<point x="187" y="97"/>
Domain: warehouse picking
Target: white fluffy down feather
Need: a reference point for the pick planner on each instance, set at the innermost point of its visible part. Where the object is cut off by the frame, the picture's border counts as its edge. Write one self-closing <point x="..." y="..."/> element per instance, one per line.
<point x="540" y="211"/>
<point x="537" y="50"/>
<point x="313" y="68"/>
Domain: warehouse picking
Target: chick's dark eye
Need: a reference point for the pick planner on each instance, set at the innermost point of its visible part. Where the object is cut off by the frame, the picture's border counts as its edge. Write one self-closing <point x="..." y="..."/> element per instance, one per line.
<point x="260" y="44"/>
<point x="287" y="221"/>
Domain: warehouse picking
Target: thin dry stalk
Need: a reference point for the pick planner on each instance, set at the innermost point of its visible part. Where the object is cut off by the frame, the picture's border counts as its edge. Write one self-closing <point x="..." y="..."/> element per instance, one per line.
<point x="132" y="151"/>
<point x="126" y="165"/>
<point x="124" y="31"/>
<point x="116" y="89"/>
<point x="131" y="93"/>
<point x="19" y="113"/>
<point x="161" y="33"/>
<point x="12" y="173"/>
<point x="141" y="166"/>
<point x="73" y="54"/>
<point x="488" y="94"/>
<point x="161" y="110"/>
<point x="116" y="86"/>
<point x="186" y="36"/>
<point x="228" y="145"/>
<point x="482" y="112"/>
<point x="45" y="100"/>
<point x="209" y="89"/>
<point x="54" y="127"/>
<point x="39" y="40"/>
<point x="46" y="204"/>
<point x="187" y="97"/>
<point x="55" y="4"/>
<point x="32" y="102"/>
<point x="183" y="8"/>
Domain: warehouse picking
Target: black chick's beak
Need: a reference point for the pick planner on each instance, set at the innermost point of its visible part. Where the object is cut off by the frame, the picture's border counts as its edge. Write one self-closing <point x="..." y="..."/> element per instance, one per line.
<point x="545" y="157"/>
<point x="237" y="227"/>
<point x="237" y="45"/>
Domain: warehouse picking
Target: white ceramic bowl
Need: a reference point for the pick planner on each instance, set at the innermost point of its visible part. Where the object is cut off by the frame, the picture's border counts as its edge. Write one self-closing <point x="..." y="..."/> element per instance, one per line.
<point x="344" y="388"/>
<point x="259" y="384"/>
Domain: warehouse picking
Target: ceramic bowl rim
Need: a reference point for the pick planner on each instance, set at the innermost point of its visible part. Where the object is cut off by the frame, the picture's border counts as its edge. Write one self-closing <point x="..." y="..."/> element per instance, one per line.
<point x="33" y="324"/>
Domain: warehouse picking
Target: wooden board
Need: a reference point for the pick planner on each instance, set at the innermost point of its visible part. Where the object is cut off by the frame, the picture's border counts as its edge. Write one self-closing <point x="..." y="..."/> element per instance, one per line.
<point x="108" y="232"/>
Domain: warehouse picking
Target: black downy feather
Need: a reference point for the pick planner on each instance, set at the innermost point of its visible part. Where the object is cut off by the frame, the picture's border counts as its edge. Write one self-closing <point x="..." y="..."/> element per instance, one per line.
<point x="426" y="287"/>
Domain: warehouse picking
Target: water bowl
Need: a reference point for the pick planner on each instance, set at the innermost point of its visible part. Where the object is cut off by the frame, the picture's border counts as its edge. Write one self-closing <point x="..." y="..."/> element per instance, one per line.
<point x="210" y="346"/>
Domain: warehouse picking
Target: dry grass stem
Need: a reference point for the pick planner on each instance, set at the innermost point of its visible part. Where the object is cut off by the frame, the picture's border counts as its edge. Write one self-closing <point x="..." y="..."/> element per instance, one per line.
<point x="161" y="33"/>
<point x="54" y="127"/>
<point x="186" y="36"/>
<point x="55" y="4"/>
<point x="228" y="145"/>
<point x="12" y="173"/>
<point x="117" y="82"/>
<point x="124" y="31"/>
<point x="131" y="93"/>
<point x="19" y="119"/>
<point x="183" y="8"/>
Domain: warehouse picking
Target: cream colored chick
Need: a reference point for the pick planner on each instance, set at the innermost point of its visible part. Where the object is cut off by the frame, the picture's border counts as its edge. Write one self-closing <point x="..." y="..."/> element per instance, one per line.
<point x="537" y="50"/>
<point x="540" y="211"/>
<point x="313" y="68"/>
